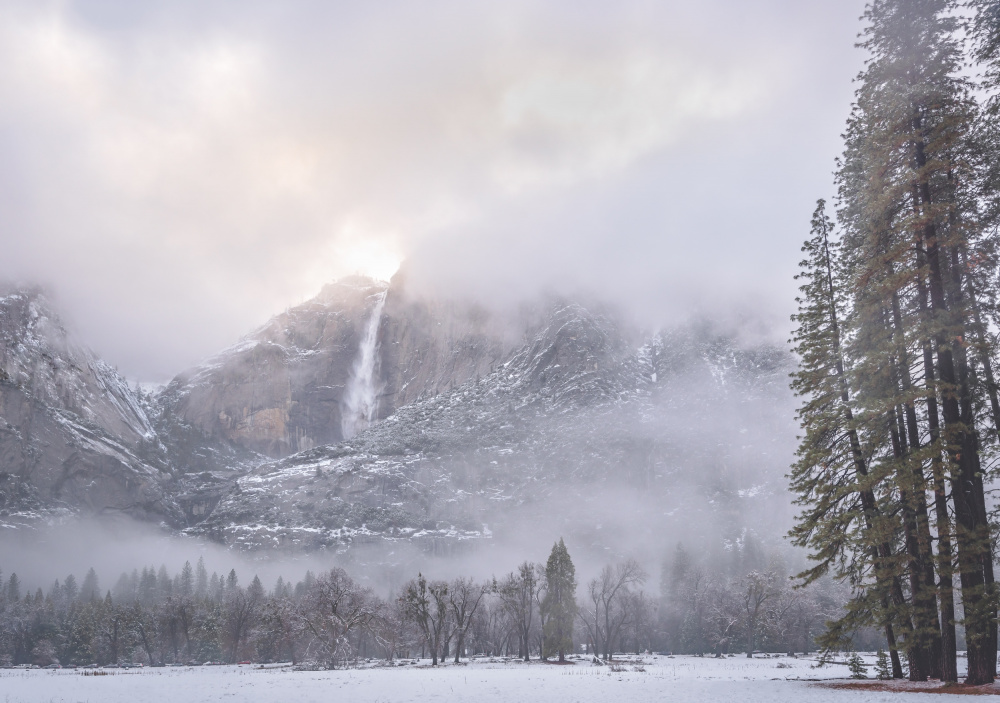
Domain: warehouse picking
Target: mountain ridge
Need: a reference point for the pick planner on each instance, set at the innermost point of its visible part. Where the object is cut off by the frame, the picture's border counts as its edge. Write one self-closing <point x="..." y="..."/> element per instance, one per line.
<point x="482" y="426"/>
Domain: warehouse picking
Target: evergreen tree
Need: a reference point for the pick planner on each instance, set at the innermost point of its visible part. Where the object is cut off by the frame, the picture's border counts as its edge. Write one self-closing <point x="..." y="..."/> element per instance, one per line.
<point x="985" y="31"/>
<point x="857" y="667"/>
<point x="256" y="590"/>
<point x="164" y="584"/>
<point x="559" y="604"/>
<point x="902" y="329"/>
<point x="14" y="588"/>
<point x="882" y="672"/>
<point x="842" y="521"/>
<point x="147" y="586"/>
<point x="91" y="589"/>
<point x="908" y="226"/>
<point x="70" y="589"/>
<point x="201" y="579"/>
<point x="185" y="583"/>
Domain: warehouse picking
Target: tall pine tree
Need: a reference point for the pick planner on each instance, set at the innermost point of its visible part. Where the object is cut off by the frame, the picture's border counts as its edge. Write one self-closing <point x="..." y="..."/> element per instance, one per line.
<point x="895" y="337"/>
<point x="559" y="603"/>
<point x="842" y="521"/>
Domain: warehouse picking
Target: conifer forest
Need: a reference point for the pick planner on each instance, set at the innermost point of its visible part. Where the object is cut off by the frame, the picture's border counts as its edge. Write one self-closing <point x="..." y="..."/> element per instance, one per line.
<point x="330" y="620"/>
<point x="896" y="337"/>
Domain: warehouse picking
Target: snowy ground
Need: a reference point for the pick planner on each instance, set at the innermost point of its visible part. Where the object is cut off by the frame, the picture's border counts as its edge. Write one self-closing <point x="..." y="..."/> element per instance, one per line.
<point x="664" y="679"/>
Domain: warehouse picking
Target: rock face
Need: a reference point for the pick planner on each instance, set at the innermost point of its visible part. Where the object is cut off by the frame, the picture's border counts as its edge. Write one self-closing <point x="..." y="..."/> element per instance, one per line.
<point x="72" y="432"/>
<point x="483" y="429"/>
<point x="579" y="432"/>
<point x="428" y="347"/>
<point x="282" y="389"/>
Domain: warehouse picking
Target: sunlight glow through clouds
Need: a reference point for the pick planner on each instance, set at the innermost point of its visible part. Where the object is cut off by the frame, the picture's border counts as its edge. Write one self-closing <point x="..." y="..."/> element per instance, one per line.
<point x="220" y="161"/>
<point x="355" y="249"/>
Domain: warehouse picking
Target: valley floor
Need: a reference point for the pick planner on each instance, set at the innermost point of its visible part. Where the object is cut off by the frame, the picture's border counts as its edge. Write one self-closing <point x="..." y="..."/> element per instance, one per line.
<point x="639" y="680"/>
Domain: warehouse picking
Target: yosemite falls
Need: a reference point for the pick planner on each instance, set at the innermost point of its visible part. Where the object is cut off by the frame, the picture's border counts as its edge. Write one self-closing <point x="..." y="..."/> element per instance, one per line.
<point x="361" y="393"/>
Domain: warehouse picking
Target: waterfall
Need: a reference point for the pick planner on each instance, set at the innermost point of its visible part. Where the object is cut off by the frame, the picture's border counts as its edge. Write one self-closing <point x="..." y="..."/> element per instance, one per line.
<point x="361" y="393"/>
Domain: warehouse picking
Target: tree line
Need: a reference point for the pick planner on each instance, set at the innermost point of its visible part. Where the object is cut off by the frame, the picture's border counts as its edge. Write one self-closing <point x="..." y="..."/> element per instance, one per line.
<point x="897" y="339"/>
<point x="332" y="620"/>
<point x="327" y="619"/>
<point x="708" y="607"/>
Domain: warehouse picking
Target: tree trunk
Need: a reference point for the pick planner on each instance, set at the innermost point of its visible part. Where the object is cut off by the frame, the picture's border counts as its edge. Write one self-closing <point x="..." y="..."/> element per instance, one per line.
<point x="915" y="511"/>
<point x="915" y="646"/>
<point x="890" y="636"/>
<point x="961" y="451"/>
<point x="966" y="373"/>
<point x="886" y="582"/>
<point x="946" y="596"/>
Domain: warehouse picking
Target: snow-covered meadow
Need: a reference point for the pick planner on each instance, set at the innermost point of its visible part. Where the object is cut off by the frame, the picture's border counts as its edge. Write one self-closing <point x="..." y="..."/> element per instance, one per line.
<point x="635" y="680"/>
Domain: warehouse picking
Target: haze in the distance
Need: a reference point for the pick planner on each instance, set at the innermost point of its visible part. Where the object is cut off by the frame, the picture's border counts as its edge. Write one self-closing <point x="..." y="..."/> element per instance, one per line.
<point x="174" y="173"/>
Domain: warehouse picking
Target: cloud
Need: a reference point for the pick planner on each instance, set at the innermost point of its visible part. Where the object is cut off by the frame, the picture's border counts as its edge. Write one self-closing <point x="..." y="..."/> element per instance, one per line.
<point x="178" y="172"/>
<point x="568" y="123"/>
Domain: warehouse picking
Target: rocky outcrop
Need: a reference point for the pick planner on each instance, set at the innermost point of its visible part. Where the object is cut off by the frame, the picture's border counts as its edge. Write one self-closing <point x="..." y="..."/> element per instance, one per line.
<point x="559" y="421"/>
<point x="430" y="346"/>
<point x="580" y="432"/>
<point x="281" y="390"/>
<point x="72" y="432"/>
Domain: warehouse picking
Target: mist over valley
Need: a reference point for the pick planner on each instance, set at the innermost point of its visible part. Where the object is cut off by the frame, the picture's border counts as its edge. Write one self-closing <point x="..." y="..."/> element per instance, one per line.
<point x="499" y="351"/>
<point x="375" y="427"/>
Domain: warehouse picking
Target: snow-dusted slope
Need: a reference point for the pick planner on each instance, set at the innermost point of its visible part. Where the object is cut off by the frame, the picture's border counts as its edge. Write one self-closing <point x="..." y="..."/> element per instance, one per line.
<point x="280" y="389"/>
<point x="286" y="387"/>
<point x="484" y="431"/>
<point x="580" y="432"/>
<point x="72" y="433"/>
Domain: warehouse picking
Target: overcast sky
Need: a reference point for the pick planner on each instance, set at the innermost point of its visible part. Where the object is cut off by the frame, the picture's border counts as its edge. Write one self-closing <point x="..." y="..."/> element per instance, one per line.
<point x="175" y="173"/>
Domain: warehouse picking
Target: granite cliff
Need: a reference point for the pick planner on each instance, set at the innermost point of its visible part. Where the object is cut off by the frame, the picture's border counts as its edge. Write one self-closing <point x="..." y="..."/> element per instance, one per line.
<point x="73" y="434"/>
<point x="369" y="415"/>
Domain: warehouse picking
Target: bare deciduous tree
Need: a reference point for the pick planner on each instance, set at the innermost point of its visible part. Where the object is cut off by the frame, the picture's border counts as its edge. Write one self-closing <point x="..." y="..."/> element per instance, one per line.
<point x="757" y="589"/>
<point x="605" y="612"/>
<point x="464" y="597"/>
<point x="518" y="592"/>
<point x="336" y="607"/>
<point x="426" y="604"/>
